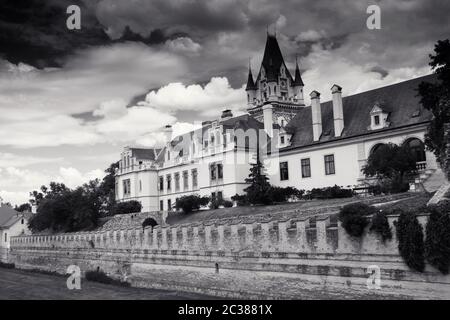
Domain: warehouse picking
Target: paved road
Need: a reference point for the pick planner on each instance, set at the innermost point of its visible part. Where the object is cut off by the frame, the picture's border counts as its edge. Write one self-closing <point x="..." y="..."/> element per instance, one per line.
<point x="22" y="285"/>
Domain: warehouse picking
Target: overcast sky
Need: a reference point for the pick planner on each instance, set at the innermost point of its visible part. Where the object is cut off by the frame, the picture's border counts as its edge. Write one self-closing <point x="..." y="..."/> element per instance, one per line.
<point x="71" y="100"/>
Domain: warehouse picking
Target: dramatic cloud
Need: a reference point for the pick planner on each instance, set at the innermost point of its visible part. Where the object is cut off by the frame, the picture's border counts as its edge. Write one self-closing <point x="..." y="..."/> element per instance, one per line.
<point x="80" y="96"/>
<point x="217" y="94"/>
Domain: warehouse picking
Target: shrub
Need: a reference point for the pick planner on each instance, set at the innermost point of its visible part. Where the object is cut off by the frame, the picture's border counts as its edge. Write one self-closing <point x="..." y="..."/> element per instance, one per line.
<point x="280" y="194"/>
<point x="353" y="218"/>
<point x="330" y="193"/>
<point x="410" y="240"/>
<point x="215" y="204"/>
<point x="126" y="207"/>
<point x="227" y="204"/>
<point x="241" y="200"/>
<point x="149" y="222"/>
<point x="7" y="265"/>
<point x="437" y="242"/>
<point x="191" y="203"/>
<point x="380" y="225"/>
<point x="101" y="277"/>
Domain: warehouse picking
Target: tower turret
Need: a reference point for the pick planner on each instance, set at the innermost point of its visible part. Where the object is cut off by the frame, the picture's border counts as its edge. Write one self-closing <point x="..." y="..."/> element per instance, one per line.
<point x="297" y="85"/>
<point x="275" y="85"/>
<point x="250" y="88"/>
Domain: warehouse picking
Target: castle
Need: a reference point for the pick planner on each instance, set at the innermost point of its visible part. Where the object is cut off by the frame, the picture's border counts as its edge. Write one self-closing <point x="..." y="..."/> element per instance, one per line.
<point x="306" y="147"/>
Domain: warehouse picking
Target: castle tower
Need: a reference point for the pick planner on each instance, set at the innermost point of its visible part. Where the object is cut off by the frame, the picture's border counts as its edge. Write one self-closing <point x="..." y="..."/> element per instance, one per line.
<point x="275" y="85"/>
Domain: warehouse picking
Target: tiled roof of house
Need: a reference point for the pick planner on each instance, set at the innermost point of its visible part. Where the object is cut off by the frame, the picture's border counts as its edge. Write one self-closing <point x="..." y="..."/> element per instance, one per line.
<point x="400" y="100"/>
<point x="8" y="217"/>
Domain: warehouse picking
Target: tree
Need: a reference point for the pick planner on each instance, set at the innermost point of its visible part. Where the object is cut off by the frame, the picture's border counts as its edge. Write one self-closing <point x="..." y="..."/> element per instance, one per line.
<point x="191" y="203"/>
<point x="258" y="192"/>
<point x="24" y="207"/>
<point x="437" y="241"/>
<point x="125" y="207"/>
<point x="107" y="190"/>
<point x="410" y="240"/>
<point x="62" y="209"/>
<point x="436" y="98"/>
<point x="391" y="164"/>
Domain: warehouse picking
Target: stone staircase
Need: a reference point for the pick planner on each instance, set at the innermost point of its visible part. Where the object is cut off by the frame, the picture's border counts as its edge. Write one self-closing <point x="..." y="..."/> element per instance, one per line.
<point x="429" y="180"/>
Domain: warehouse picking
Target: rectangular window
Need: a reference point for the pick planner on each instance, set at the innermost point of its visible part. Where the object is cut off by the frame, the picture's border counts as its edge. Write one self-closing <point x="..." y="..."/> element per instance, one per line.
<point x="140" y="185"/>
<point x="213" y="196"/>
<point x="161" y="183"/>
<point x="177" y="181"/>
<point x="6" y="237"/>
<point x="282" y="139"/>
<point x="169" y="204"/>
<point x="126" y="187"/>
<point x="185" y="180"/>
<point x="194" y="179"/>
<point x="329" y="164"/>
<point x="212" y="170"/>
<point x="306" y="168"/>
<point x="220" y="196"/>
<point x="169" y="182"/>
<point x="284" y="171"/>
<point x="161" y="205"/>
<point x="377" y="120"/>
<point x="219" y="171"/>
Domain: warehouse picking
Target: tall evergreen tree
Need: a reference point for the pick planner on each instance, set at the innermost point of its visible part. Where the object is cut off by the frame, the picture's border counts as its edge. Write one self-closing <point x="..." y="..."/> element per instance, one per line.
<point x="436" y="98"/>
<point x="258" y="192"/>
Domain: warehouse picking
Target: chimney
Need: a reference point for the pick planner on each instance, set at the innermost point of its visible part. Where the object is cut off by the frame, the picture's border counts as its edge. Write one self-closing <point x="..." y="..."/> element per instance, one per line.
<point x="316" y="115"/>
<point x="338" y="113"/>
<point x="168" y="132"/>
<point x="226" y="114"/>
<point x="268" y="119"/>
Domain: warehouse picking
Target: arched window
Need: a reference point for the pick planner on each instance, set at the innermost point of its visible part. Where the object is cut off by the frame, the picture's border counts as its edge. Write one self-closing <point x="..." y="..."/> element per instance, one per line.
<point x="376" y="147"/>
<point x="417" y="148"/>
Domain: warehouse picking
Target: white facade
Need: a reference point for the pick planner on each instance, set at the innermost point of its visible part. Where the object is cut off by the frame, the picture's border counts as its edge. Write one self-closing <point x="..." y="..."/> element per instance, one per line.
<point x="323" y="145"/>
<point x="19" y="227"/>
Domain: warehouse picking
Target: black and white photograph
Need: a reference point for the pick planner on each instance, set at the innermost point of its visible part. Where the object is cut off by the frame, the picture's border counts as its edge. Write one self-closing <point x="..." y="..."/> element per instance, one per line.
<point x="241" y="152"/>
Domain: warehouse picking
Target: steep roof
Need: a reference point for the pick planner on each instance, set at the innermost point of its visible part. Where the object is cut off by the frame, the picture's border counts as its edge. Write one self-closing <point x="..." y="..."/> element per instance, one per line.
<point x="400" y="100"/>
<point x="250" y="83"/>
<point x="272" y="60"/>
<point x="298" y="78"/>
<point x="8" y="216"/>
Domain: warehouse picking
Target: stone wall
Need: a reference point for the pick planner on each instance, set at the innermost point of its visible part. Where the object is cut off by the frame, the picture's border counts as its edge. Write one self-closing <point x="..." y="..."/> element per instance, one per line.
<point x="251" y="260"/>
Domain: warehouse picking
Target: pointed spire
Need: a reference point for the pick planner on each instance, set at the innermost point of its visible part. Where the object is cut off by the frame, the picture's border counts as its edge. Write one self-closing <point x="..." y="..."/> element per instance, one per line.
<point x="250" y="83"/>
<point x="298" y="78"/>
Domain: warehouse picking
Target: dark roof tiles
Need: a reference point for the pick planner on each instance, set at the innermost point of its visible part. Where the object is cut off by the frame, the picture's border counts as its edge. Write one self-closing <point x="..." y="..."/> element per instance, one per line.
<point x="399" y="100"/>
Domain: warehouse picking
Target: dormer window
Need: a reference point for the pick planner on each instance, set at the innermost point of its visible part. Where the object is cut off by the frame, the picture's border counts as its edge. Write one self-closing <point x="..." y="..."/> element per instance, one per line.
<point x="376" y="120"/>
<point x="378" y="117"/>
<point x="282" y="139"/>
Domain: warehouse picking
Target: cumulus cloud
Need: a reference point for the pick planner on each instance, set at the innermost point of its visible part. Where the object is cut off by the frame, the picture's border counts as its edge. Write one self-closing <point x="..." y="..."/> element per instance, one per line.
<point x="16" y="183"/>
<point x="183" y="45"/>
<point x="216" y="95"/>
